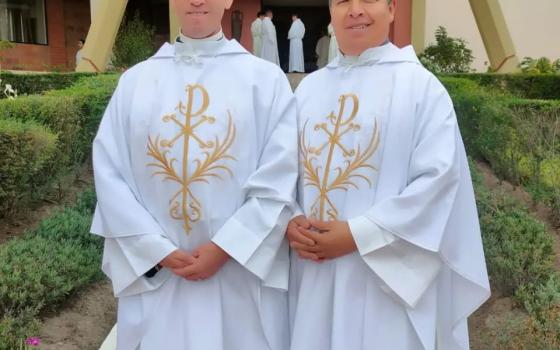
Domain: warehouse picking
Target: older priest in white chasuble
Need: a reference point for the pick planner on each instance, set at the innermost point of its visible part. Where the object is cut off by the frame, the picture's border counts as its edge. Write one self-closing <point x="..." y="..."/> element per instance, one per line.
<point x="195" y="169"/>
<point x="387" y="248"/>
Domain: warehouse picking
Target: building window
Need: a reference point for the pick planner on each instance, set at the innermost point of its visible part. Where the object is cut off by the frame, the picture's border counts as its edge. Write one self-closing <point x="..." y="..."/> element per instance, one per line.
<point x="23" y="21"/>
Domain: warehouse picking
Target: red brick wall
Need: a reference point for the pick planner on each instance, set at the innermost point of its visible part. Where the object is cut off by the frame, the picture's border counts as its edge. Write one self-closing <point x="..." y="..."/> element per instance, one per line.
<point x="77" y="21"/>
<point x="56" y="30"/>
<point x="67" y="22"/>
<point x="249" y="8"/>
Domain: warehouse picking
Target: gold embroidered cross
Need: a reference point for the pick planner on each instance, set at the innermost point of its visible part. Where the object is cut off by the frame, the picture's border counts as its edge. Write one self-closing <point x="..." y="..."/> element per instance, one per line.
<point x="183" y="204"/>
<point x="344" y="177"/>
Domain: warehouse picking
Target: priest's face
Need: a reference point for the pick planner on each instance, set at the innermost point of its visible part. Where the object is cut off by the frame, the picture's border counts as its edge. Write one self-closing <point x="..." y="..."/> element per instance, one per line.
<point x="361" y="24"/>
<point x="200" y="18"/>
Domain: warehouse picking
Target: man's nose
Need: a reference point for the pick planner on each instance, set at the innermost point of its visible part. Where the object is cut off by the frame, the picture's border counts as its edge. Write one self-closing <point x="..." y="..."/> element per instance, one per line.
<point x="356" y="8"/>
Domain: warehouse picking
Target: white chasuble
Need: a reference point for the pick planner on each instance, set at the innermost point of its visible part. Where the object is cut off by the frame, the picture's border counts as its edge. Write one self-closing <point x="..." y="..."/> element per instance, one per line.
<point x="380" y="147"/>
<point x="295" y="35"/>
<point x="269" y="49"/>
<point x="191" y="151"/>
<point x="256" y="33"/>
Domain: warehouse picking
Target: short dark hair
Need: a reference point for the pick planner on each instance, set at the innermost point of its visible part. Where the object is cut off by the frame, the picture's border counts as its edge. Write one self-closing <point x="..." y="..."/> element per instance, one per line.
<point x="260" y="13"/>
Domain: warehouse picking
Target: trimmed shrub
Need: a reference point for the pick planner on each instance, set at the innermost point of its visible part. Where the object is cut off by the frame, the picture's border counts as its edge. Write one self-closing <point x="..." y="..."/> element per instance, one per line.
<point x="32" y="84"/>
<point x="518" y="247"/>
<point x="60" y="114"/>
<point x="44" y="267"/>
<point x="486" y="125"/>
<point x="531" y="86"/>
<point x="520" y="262"/>
<point x="27" y="150"/>
<point x="73" y="115"/>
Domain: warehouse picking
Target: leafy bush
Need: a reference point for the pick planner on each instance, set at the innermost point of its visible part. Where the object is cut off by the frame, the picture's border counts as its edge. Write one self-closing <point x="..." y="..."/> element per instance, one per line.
<point x="520" y="260"/>
<point x="91" y="96"/>
<point x="134" y="42"/>
<point x="541" y="65"/>
<point x="32" y="84"/>
<point x="529" y="86"/>
<point x="44" y="267"/>
<point x="61" y="115"/>
<point x="73" y="114"/>
<point x="448" y="55"/>
<point x="518" y="247"/>
<point x="486" y="124"/>
<point x="27" y="150"/>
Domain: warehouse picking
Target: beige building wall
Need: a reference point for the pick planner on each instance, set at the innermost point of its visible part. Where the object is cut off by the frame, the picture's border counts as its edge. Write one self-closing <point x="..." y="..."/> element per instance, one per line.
<point x="534" y="26"/>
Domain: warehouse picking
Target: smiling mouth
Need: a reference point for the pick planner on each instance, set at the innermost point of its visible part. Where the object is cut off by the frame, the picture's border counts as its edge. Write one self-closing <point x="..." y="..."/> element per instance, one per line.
<point x="359" y="27"/>
<point x="197" y="13"/>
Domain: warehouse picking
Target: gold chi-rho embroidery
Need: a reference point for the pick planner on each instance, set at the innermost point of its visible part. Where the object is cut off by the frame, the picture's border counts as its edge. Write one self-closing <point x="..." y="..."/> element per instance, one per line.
<point x="318" y="174"/>
<point x="183" y="204"/>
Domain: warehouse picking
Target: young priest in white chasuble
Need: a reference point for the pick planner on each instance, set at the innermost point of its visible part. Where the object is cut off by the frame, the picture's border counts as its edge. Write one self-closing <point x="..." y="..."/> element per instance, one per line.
<point x="195" y="169"/>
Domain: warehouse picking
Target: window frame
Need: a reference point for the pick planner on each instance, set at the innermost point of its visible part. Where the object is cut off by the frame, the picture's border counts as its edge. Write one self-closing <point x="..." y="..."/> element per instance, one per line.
<point x="46" y="30"/>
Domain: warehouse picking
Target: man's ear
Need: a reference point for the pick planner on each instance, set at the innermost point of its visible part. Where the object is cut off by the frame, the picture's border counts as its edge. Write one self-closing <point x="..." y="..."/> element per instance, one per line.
<point x="228" y="4"/>
<point x="393" y="9"/>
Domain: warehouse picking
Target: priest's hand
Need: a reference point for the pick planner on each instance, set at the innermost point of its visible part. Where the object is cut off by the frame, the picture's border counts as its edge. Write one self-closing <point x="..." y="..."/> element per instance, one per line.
<point x="334" y="239"/>
<point x="177" y="259"/>
<point x="298" y="241"/>
<point x="208" y="259"/>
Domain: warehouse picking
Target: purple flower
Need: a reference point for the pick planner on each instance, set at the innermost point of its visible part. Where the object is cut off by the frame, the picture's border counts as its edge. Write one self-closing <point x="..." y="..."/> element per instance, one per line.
<point x="33" y="341"/>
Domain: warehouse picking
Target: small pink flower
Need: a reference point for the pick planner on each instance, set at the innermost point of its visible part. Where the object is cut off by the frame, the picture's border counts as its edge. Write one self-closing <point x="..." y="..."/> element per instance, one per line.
<point x="33" y="341"/>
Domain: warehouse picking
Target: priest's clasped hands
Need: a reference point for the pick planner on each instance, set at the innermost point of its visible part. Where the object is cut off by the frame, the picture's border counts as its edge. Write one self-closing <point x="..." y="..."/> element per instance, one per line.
<point x="311" y="239"/>
<point x="320" y="240"/>
<point x="202" y="264"/>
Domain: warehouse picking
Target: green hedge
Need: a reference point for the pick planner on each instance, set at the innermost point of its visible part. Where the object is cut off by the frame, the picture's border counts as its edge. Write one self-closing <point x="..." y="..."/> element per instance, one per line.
<point x="73" y="115"/>
<point x="518" y="247"/>
<point x="531" y="86"/>
<point x="520" y="260"/>
<point x="32" y="84"/>
<point x="28" y="150"/>
<point x="44" y="267"/>
<point x="517" y="137"/>
<point x="486" y="124"/>
<point x="91" y="95"/>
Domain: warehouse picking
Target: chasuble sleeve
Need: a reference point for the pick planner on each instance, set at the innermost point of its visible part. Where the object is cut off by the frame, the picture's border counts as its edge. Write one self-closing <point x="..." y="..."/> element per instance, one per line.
<point x="135" y="242"/>
<point x="254" y="235"/>
<point x="400" y="236"/>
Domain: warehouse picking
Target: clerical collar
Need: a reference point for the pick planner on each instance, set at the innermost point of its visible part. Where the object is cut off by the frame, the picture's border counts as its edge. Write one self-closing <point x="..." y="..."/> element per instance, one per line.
<point x="190" y="50"/>
<point x="371" y="55"/>
<point x="185" y="39"/>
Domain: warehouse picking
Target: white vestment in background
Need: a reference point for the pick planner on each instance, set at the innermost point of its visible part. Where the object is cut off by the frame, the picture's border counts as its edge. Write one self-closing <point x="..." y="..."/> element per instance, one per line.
<point x="256" y="33"/>
<point x="191" y="151"/>
<point x="380" y="148"/>
<point x="269" y="49"/>
<point x="322" y="51"/>
<point x="295" y="35"/>
<point x="333" y="44"/>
